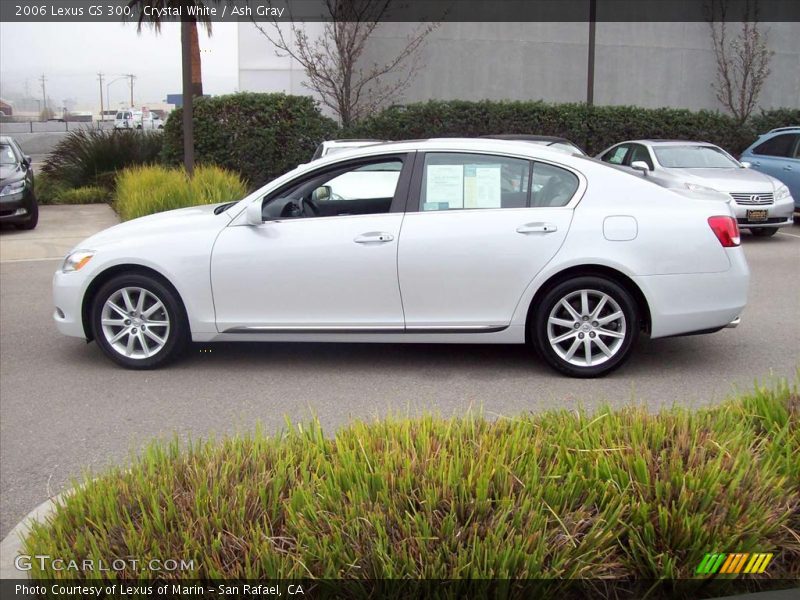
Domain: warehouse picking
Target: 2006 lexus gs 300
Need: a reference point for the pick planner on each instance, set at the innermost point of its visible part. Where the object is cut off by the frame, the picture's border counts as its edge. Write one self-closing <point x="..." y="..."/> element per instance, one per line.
<point x="456" y="241"/>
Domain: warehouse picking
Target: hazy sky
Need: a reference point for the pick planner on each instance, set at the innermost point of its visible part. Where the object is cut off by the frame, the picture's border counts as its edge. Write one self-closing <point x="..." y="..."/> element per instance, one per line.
<point x="71" y="55"/>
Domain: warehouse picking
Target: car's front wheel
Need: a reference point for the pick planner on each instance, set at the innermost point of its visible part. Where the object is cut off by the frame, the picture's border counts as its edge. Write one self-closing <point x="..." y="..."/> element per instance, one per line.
<point x="139" y="322"/>
<point x="764" y="231"/>
<point x="586" y="327"/>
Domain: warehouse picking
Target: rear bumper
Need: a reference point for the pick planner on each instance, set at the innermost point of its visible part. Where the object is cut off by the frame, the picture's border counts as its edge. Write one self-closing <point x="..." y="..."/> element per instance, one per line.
<point x="697" y="302"/>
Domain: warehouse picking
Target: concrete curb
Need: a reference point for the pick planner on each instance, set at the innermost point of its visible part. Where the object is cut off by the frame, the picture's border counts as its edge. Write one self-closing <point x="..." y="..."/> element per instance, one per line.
<point x="11" y="546"/>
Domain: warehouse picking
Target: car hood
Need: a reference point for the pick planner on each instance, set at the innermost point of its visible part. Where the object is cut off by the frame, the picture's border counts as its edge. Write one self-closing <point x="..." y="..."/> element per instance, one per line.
<point x="160" y="224"/>
<point x="9" y="173"/>
<point x="727" y="180"/>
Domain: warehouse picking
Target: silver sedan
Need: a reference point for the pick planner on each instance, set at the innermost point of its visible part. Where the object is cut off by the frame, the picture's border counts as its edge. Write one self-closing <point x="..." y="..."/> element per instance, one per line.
<point x="761" y="203"/>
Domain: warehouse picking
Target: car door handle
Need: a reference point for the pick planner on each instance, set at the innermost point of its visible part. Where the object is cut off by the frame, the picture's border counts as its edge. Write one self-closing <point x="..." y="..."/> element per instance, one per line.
<point x="537" y="228"/>
<point x="374" y="237"/>
<point x="787" y="168"/>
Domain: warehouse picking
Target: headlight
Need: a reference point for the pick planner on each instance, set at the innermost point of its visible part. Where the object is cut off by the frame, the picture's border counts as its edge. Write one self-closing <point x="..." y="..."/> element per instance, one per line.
<point x="77" y="260"/>
<point x="700" y="188"/>
<point x="13" y="188"/>
<point x="781" y="192"/>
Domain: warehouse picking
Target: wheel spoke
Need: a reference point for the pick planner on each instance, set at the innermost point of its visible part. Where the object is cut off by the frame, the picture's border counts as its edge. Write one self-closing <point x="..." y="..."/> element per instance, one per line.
<point x="561" y="322"/>
<point x="572" y="349"/>
<point x="599" y="307"/>
<point x="609" y="333"/>
<point x="612" y="317"/>
<point x="116" y="308"/>
<point x="602" y="345"/>
<point x="140" y="302"/>
<point x="158" y="340"/>
<point x="127" y="299"/>
<point x="152" y="309"/>
<point x="113" y="322"/>
<point x="119" y="335"/>
<point x="563" y="337"/>
<point x="587" y="350"/>
<point x="573" y="313"/>
<point x="584" y="302"/>
<point x="157" y="323"/>
<point x="129" y="346"/>
<point x="143" y="344"/>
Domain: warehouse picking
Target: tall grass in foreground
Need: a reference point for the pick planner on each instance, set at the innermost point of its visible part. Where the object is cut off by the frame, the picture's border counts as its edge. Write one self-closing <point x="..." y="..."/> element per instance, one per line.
<point x="146" y="190"/>
<point x="562" y="494"/>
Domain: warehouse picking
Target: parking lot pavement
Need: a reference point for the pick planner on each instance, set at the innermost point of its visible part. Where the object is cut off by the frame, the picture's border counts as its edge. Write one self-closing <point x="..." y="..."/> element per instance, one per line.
<point x="59" y="229"/>
<point x="64" y="407"/>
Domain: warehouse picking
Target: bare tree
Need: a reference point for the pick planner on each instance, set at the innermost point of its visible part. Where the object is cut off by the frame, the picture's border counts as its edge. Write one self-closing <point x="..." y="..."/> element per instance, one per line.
<point x="742" y="58"/>
<point x="334" y="62"/>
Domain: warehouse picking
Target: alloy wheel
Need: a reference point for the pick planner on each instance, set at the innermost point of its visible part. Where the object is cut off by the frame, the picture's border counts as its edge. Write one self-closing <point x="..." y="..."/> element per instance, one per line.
<point x="586" y="328"/>
<point x="135" y="322"/>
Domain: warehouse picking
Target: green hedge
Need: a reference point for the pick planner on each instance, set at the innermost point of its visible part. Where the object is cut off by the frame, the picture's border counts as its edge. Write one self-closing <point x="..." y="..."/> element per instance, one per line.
<point x="592" y="127"/>
<point x="629" y="494"/>
<point x="259" y="136"/>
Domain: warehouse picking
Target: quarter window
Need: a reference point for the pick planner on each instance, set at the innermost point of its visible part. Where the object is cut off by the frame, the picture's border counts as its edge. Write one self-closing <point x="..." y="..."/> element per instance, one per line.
<point x="552" y="186"/>
<point x="780" y="145"/>
<point x="616" y="156"/>
<point x="453" y="181"/>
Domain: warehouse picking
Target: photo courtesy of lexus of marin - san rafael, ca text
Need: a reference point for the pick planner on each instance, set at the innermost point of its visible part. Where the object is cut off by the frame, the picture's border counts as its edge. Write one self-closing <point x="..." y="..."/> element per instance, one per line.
<point x="419" y="299"/>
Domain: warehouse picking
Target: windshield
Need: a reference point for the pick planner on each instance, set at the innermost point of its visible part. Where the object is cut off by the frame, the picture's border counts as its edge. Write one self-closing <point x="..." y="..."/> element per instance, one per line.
<point x="693" y="157"/>
<point x="7" y="156"/>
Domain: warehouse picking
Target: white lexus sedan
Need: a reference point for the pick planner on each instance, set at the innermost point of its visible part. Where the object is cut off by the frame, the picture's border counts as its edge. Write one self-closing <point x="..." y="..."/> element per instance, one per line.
<point x="443" y="240"/>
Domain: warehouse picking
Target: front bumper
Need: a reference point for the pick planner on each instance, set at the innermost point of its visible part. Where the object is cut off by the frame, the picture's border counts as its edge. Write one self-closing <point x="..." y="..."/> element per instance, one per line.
<point x="68" y="290"/>
<point x="15" y="207"/>
<point x="778" y="214"/>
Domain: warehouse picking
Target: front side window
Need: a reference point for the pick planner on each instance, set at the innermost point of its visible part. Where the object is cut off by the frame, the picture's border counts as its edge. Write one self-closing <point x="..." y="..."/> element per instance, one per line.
<point x="361" y="189"/>
<point x="616" y="156"/>
<point x="780" y="145"/>
<point x="454" y="181"/>
<point x="639" y="152"/>
<point x="694" y="157"/>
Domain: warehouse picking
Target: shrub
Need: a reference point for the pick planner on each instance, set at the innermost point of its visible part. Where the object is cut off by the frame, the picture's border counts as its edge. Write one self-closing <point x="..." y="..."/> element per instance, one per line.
<point x="146" y="190"/>
<point x="89" y="194"/>
<point x="564" y="494"/>
<point x="92" y="156"/>
<point x="781" y="117"/>
<point x="259" y="136"/>
<point x="592" y="127"/>
<point x="47" y="189"/>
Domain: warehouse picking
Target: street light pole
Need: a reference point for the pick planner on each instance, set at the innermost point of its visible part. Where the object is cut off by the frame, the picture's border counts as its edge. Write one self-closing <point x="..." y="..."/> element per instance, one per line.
<point x="590" y="66"/>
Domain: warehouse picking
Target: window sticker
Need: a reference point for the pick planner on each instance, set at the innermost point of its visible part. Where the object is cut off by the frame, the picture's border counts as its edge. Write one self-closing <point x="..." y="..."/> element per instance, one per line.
<point x="444" y="185"/>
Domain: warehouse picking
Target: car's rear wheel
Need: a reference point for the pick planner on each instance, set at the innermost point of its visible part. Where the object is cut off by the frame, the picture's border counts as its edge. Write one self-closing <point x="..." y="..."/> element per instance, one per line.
<point x="139" y="322"/>
<point x="764" y="231"/>
<point x="586" y="327"/>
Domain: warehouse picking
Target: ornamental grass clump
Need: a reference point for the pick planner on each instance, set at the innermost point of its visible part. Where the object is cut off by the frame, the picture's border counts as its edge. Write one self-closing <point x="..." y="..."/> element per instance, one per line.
<point x="611" y="494"/>
<point x="146" y="190"/>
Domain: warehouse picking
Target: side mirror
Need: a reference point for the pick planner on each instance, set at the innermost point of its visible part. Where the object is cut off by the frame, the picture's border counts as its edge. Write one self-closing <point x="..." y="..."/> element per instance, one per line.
<point x="27" y="160"/>
<point x="640" y="165"/>
<point x="321" y="193"/>
<point x="746" y="164"/>
<point x="253" y="213"/>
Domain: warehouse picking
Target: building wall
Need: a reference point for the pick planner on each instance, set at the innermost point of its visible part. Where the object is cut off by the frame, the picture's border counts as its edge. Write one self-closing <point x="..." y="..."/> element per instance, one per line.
<point x="644" y="64"/>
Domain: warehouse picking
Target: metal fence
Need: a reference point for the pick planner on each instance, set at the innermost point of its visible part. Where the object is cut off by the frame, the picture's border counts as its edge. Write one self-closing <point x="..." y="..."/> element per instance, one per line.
<point x="10" y="128"/>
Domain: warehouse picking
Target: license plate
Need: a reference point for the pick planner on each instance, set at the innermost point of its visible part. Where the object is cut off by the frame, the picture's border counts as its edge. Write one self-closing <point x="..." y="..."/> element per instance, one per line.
<point x="756" y="215"/>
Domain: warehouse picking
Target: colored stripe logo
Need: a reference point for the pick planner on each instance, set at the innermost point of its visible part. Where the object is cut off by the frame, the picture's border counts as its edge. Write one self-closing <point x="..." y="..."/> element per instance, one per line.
<point x="734" y="564"/>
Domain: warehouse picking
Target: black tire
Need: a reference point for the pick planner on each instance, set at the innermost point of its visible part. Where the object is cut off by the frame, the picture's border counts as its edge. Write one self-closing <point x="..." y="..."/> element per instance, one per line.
<point x="33" y="218"/>
<point x="596" y="286"/>
<point x="763" y="231"/>
<point x="178" y="333"/>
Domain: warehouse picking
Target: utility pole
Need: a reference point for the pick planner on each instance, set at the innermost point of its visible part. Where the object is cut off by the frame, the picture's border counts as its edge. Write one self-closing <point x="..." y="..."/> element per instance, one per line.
<point x="131" y="77"/>
<point x="100" y="78"/>
<point x="43" y="79"/>
<point x="590" y="66"/>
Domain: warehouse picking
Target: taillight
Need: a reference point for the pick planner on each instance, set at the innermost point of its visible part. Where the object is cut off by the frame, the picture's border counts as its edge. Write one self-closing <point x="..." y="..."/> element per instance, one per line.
<point x="726" y="229"/>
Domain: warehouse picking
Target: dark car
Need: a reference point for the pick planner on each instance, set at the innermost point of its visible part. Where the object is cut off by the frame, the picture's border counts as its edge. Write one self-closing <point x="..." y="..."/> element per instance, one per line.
<point x="17" y="202"/>
<point x="557" y="143"/>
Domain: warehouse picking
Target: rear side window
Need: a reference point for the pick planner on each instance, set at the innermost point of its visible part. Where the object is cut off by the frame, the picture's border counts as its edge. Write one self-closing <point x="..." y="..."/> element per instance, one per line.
<point x="780" y="145"/>
<point x="454" y="181"/>
<point x="552" y="186"/>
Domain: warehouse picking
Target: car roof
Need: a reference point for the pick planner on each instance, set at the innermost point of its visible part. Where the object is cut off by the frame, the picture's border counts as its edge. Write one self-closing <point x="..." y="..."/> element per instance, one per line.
<point x="345" y="142"/>
<point x="782" y="129"/>
<point x="524" y="137"/>
<point x="5" y="139"/>
<point x="660" y="142"/>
